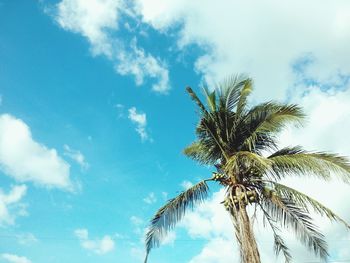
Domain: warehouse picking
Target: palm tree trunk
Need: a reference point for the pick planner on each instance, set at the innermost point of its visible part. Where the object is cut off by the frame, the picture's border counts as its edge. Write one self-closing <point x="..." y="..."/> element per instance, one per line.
<point x="245" y="236"/>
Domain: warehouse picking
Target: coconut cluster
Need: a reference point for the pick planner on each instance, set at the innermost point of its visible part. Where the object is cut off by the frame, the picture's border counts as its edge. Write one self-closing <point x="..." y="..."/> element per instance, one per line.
<point x="218" y="177"/>
<point x="245" y="198"/>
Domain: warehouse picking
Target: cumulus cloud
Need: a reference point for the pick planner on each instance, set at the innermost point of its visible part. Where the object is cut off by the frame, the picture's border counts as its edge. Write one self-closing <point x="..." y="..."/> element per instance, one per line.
<point x="14" y="258"/>
<point x="98" y="246"/>
<point x="263" y="39"/>
<point x="97" y="21"/>
<point x="10" y="205"/>
<point x="26" y="160"/>
<point x="140" y="120"/>
<point x="77" y="156"/>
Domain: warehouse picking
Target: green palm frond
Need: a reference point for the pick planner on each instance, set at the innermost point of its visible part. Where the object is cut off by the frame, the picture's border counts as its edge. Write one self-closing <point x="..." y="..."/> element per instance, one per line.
<point x="195" y="98"/>
<point x="279" y="244"/>
<point x="267" y="119"/>
<point x="211" y="99"/>
<point x="204" y="152"/>
<point x="290" y="161"/>
<point x="243" y="98"/>
<point x="209" y="132"/>
<point x="291" y="215"/>
<point x="167" y="216"/>
<point x="247" y="164"/>
<point x="304" y="200"/>
<point x="230" y="91"/>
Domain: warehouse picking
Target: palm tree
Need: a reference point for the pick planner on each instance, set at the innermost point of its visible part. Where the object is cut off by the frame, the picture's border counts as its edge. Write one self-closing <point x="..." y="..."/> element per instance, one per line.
<point x="241" y="143"/>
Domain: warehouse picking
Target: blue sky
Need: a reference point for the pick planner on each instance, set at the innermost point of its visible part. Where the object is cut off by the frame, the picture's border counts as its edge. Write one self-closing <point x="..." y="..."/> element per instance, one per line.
<point x="94" y="117"/>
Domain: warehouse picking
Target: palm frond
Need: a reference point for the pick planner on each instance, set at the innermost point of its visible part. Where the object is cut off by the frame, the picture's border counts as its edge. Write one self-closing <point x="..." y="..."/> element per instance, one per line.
<point x="211" y="99"/>
<point x="243" y="97"/>
<point x="205" y="152"/>
<point x="267" y="119"/>
<point x="231" y="91"/>
<point x="304" y="200"/>
<point x="279" y="244"/>
<point x="209" y="131"/>
<point x="167" y="216"/>
<point x="295" y="160"/>
<point x="195" y="98"/>
<point x="291" y="215"/>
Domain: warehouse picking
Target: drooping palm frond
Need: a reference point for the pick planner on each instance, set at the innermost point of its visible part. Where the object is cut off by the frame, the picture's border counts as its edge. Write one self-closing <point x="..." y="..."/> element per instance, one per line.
<point x="304" y="200"/>
<point x="296" y="161"/>
<point x="266" y="120"/>
<point x="291" y="215"/>
<point x="279" y="244"/>
<point x="168" y="215"/>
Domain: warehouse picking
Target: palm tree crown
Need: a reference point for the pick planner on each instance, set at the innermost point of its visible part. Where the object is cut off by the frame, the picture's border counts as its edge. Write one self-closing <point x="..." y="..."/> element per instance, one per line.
<point x="235" y="139"/>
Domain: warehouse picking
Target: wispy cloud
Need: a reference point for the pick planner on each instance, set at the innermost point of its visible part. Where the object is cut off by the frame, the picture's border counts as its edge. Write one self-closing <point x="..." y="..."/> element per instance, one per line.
<point x="27" y="160"/>
<point x="150" y="198"/>
<point x="10" y="205"/>
<point x="26" y="239"/>
<point x="98" y="246"/>
<point x="77" y="156"/>
<point x="140" y="64"/>
<point x="140" y="120"/>
<point x="98" y="21"/>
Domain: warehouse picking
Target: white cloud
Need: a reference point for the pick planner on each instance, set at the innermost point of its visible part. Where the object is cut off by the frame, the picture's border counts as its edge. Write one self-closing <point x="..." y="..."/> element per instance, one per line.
<point x="10" y="206"/>
<point x="150" y="198"/>
<point x="169" y="239"/>
<point x="15" y="259"/>
<point x="209" y="253"/>
<point x="209" y="220"/>
<point x="142" y="65"/>
<point x="141" y="122"/>
<point x="98" y="246"/>
<point x="27" y="160"/>
<point x="262" y="39"/>
<point x="76" y="156"/>
<point x="97" y="20"/>
<point x="92" y="19"/>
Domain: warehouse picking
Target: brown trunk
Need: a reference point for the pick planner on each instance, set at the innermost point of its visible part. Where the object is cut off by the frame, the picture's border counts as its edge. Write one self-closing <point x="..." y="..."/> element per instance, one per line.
<point x="245" y="236"/>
